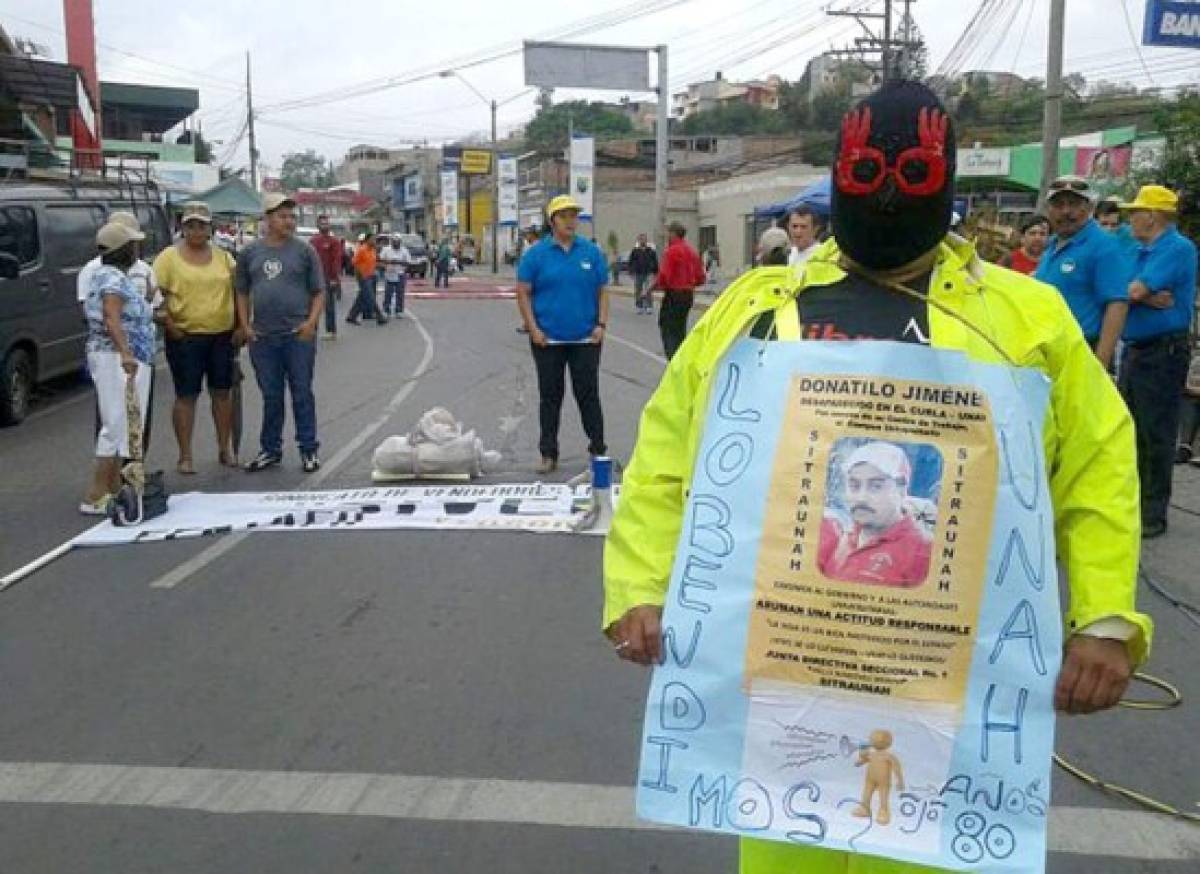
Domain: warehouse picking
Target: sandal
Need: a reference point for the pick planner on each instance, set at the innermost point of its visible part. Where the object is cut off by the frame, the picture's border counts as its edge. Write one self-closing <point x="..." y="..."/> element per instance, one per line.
<point x="228" y="459"/>
<point x="185" y="466"/>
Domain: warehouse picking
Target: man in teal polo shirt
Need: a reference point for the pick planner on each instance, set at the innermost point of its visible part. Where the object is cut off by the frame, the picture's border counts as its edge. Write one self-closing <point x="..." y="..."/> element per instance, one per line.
<point x="564" y="304"/>
<point x="1154" y="367"/>
<point x="1086" y="265"/>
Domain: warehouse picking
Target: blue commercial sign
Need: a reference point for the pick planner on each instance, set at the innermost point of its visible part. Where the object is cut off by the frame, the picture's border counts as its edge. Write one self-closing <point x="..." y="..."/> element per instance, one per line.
<point x="1172" y="23"/>
<point x="398" y="194"/>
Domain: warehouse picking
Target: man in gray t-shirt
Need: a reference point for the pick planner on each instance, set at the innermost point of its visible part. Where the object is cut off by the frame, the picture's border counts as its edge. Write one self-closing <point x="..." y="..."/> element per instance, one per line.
<point x="280" y="293"/>
<point x="279" y="280"/>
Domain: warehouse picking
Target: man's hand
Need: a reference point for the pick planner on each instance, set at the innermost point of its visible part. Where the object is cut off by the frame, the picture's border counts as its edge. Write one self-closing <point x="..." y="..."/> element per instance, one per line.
<point x="244" y="335"/>
<point x="537" y="336"/>
<point x="637" y="636"/>
<point x="1095" y="673"/>
<point x="307" y="331"/>
<point x="598" y="334"/>
<point x="1162" y="300"/>
<point x="129" y="364"/>
<point x="172" y="331"/>
<point x="1138" y="291"/>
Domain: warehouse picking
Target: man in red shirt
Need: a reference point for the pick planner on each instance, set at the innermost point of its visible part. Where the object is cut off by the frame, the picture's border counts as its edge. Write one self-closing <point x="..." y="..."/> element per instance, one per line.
<point x="884" y="546"/>
<point x="330" y="250"/>
<point x="680" y="273"/>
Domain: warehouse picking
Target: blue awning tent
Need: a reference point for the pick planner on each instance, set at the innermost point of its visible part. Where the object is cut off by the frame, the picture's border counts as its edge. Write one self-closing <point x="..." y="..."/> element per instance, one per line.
<point x="815" y="196"/>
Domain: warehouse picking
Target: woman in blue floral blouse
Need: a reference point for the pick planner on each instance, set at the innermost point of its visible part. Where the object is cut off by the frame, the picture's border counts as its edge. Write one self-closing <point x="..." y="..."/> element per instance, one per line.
<point x="120" y="346"/>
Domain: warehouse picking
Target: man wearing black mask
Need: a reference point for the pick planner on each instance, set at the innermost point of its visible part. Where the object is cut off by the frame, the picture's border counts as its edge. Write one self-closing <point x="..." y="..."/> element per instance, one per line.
<point x="894" y="272"/>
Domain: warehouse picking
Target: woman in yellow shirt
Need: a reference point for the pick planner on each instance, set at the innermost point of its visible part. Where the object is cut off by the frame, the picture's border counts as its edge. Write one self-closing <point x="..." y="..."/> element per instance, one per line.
<point x="196" y="279"/>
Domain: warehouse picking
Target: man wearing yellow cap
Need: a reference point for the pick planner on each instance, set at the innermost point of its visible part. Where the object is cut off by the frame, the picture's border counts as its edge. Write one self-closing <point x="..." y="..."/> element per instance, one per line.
<point x="1162" y="297"/>
<point x="564" y="306"/>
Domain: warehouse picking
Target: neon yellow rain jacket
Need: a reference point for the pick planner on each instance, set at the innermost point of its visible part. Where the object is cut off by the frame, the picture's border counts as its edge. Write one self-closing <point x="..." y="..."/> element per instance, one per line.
<point x="1089" y="446"/>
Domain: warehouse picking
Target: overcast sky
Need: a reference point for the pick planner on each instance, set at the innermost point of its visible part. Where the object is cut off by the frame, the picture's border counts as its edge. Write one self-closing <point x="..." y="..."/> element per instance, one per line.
<point x="302" y="48"/>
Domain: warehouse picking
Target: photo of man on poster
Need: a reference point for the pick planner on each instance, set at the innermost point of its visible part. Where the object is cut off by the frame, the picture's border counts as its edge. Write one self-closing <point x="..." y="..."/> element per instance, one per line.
<point x="882" y="544"/>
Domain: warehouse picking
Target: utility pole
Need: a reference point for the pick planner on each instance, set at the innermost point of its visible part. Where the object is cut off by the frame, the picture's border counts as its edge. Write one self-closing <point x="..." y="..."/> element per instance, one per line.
<point x="885" y="48"/>
<point x="495" y="193"/>
<point x="661" y="146"/>
<point x="250" y="128"/>
<point x="1052" y="113"/>
<point x="885" y="45"/>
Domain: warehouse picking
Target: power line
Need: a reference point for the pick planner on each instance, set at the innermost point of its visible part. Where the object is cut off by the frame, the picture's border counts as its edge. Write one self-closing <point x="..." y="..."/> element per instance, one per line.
<point x="1003" y="35"/>
<point x="802" y="26"/>
<point x="1024" y="33"/>
<point x="213" y="81"/>
<point x="1133" y="39"/>
<point x="623" y="15"/>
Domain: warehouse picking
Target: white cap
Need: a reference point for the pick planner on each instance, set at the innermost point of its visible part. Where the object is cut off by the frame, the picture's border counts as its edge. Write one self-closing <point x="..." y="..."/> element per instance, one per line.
<point x="275" y="199"/>
<point x="888" y="458"/>
<point x="116" y="234"/>
<point x="1071" y="184"/>
<point x="772" y="239"/>
<point x="126" y="218"/>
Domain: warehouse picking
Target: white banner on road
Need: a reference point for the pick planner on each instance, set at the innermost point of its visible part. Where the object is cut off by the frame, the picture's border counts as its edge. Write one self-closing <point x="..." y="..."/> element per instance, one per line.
<point x="583" y="170"/>
<point x="507" y="194"/>
<point x="537" y="507"/>
<point x="450" y="198"/>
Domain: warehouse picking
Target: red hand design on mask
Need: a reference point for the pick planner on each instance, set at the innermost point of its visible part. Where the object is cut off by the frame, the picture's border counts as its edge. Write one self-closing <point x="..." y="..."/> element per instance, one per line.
<point x="919" y="171"/>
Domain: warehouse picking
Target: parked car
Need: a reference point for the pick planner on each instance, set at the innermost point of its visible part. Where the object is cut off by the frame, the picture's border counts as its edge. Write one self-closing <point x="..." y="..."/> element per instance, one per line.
<point x="47" y="233"/>
<point x="466" y="250"/>
<point x="419" y="265"/>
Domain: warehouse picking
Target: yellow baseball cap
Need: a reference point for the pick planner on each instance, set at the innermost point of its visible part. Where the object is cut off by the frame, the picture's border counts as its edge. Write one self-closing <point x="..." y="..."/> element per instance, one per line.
<point x="1157" y="197"/>
<point x="561" y="203"/>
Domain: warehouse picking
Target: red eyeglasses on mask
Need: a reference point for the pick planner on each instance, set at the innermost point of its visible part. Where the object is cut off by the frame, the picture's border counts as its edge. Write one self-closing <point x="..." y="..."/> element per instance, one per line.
<point x="919" y="171"/>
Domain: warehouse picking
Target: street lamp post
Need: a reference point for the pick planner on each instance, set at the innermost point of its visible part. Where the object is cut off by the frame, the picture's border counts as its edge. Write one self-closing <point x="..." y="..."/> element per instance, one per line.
<point x="447" y="74"/>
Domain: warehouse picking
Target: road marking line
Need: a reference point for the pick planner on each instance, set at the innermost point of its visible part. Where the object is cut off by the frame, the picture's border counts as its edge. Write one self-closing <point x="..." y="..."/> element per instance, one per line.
<point x="1083" y="831"/>
<point x="198" y="562"/>
<point x="634" y="346"/>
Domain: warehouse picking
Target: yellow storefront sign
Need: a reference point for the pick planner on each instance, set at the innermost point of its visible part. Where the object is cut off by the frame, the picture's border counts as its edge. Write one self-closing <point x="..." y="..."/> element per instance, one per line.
<point x="476" y="162"/>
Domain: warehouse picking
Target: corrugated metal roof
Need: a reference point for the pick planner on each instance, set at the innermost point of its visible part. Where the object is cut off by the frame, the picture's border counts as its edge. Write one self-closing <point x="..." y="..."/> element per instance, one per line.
<point x="180" y="100"/>
<point x="39" y="81"/>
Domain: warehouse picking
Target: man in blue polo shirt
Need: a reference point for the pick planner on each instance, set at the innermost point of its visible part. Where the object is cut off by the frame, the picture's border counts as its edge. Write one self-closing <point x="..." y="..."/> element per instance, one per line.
<point x="1154" y="367"/>
<point x="564" y="304"/>
<point x="1086" y="265"/>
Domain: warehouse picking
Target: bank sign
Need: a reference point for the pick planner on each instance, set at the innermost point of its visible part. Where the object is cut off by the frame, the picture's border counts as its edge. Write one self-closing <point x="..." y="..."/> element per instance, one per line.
<point x="1172" y="23"/>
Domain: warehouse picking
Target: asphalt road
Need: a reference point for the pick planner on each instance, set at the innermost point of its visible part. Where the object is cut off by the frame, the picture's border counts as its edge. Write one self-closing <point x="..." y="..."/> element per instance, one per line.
<point x="300" y="703"/>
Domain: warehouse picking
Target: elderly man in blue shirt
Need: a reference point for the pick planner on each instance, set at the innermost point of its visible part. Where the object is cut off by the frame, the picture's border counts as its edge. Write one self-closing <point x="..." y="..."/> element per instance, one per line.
<point x="1162" y="297"/>
<point x="1087" y="265"/>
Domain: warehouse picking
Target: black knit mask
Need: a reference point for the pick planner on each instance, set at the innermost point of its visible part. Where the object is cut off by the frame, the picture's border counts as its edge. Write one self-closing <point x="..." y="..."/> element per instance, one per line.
<point x="893" y="176"/>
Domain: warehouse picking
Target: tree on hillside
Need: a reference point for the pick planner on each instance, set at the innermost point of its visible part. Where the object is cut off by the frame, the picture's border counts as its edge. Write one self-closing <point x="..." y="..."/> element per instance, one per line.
<point x="1179" y="168"/>
<point x="828" y="109"/>
<point x="305" y="169"/>
<point x="793" y="102"/>
<point x="735" y="118"/>
<point x="204" y="150"/>
<point x="913" y="59"/>
<point x="548" y="130"/>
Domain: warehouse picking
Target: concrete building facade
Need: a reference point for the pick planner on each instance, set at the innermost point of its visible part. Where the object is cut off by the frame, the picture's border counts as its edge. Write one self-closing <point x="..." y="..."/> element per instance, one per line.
<point x="725" y="209"/>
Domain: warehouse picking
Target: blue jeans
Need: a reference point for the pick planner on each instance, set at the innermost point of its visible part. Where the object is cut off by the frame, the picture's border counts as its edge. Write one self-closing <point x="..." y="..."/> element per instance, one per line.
<point x="364" y="304"/>
<point x="641" y="297"/>
<point x="333" y="288"/>
<point x="394" y="292"/>
<point x="277" y="359"/>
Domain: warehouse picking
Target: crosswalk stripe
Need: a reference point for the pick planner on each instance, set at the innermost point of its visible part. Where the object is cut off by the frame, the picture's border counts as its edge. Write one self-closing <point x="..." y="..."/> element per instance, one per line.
<point x="1073" y="830"/>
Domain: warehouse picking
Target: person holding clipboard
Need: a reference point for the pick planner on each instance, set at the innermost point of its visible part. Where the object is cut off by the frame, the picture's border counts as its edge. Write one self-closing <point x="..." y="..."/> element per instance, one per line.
<point x="563" y="299"/>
